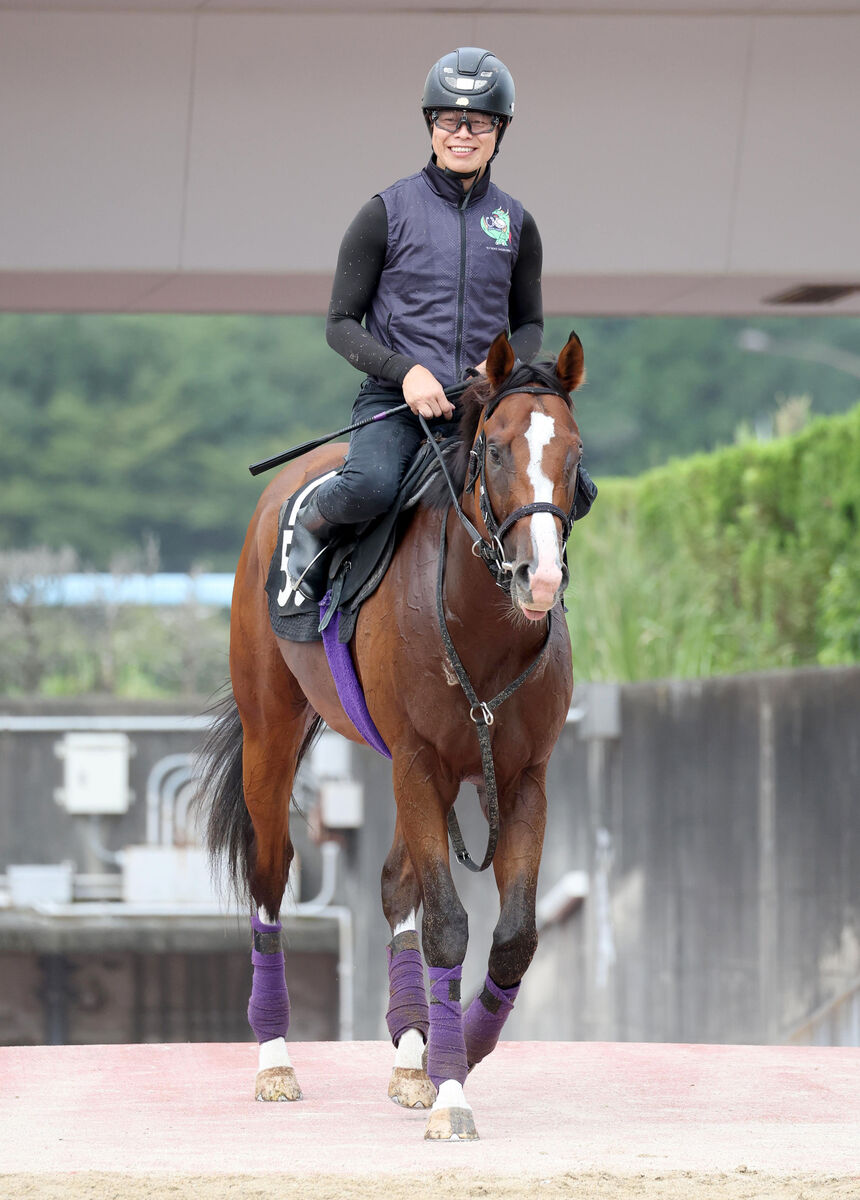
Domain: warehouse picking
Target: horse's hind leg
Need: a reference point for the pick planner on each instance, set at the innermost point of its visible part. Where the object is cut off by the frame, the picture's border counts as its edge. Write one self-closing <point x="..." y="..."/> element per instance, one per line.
<point x="408" y="1018"/>
<point x="276" y="720"/>
<point x="516" y="866"/>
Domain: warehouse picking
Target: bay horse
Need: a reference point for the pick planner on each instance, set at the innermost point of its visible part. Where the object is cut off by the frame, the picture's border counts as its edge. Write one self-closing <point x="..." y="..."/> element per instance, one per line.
<point x="519" y="451"/>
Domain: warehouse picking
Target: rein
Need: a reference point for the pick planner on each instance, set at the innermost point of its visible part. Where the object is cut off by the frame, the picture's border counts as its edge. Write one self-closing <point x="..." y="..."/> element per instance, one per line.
<point x="492" y="552"/>
<point x="481" y="712"/>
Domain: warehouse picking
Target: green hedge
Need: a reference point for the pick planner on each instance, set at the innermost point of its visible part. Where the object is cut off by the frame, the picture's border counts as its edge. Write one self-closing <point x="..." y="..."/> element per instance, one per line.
<point x="744" y="559"/>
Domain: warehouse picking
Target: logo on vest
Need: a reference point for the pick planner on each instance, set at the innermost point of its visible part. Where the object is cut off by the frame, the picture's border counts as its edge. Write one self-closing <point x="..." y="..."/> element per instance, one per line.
<point x="498" y="227"/>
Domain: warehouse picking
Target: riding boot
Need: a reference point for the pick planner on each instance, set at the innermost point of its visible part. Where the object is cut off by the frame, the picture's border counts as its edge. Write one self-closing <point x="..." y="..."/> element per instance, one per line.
<point x="310" y="552"/>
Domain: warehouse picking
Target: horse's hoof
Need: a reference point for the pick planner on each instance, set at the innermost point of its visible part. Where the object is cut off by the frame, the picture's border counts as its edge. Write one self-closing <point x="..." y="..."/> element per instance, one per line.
<point x="411" y="1088"/>
<point x="277" y="1083"/>
<point x="451" y="1125"/>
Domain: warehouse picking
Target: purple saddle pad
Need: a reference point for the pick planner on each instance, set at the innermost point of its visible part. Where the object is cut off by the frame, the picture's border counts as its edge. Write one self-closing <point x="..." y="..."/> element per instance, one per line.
<point x="346" y="681"/>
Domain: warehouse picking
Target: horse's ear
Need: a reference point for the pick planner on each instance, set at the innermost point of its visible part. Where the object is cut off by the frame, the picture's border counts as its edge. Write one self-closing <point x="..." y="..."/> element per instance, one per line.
<point x="570" y="367"/>
<point x="500" y="360"/>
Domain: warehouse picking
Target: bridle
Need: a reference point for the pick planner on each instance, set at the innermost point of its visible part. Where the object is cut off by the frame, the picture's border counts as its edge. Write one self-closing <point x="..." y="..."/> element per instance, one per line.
<point x="482" y="712"/>
<point x="491" y="550"/>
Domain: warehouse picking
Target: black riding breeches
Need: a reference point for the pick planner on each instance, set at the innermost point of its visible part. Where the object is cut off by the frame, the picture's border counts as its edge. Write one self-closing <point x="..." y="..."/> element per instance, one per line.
<point x="378" y="456"/>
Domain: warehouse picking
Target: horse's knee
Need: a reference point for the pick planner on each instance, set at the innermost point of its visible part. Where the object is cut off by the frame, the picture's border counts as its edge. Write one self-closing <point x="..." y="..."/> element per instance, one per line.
<point x="400" y="892"/>
<point x="445" y="927"/>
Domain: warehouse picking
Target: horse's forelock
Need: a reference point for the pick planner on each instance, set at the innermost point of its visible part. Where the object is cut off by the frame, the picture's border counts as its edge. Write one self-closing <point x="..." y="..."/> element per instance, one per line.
<point x="480" y="397"/>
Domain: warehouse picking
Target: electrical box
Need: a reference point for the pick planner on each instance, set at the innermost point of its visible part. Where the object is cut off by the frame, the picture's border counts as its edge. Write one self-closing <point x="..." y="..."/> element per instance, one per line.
<point x="40" y="883"/>
<point x="171" y="875"/>
<point x="175" y="876"/>
<point x="95" y="773"/>
<point x="341" y="804"/>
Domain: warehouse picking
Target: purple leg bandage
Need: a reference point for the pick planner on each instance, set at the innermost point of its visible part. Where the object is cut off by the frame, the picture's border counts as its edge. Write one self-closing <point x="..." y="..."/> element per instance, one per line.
<point x="407" y="1002"/>
<point x="485" y="1017"/>
<point x="269" y="1006"/>
<point x="446" y="1057"/>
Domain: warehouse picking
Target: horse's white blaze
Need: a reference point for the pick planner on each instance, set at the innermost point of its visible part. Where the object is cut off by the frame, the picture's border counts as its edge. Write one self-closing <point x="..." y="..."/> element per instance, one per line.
<point x="274" y="1054"/>
<point x="410" y="1051"/>
<point x="451" y="1095"/>
<point x="545" y="580"/>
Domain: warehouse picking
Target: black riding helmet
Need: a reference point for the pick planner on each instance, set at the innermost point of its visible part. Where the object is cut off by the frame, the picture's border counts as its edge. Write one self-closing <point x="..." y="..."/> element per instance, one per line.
<point x="470" y="78"/>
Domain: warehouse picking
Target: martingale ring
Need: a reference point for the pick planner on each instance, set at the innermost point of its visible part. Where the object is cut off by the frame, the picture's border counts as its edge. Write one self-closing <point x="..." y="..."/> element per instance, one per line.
<point x="504" y="565"/>
<point x="483" y="711"/>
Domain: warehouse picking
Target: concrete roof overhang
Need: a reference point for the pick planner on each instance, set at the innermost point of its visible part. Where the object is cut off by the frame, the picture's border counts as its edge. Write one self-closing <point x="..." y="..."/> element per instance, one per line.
<point x="680" y="156"/>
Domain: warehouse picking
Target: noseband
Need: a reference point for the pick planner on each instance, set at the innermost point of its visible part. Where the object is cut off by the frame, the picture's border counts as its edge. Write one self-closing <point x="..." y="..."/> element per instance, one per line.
<point x="492" y="551"/>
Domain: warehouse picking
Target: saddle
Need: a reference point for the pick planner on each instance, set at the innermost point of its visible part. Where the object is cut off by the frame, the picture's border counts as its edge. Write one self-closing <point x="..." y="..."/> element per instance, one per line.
<point x="359" y="561"/>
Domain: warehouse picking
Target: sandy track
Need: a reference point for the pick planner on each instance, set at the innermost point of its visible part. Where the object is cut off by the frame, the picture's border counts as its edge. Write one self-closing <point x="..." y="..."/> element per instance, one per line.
<point x="448" y="1185"/>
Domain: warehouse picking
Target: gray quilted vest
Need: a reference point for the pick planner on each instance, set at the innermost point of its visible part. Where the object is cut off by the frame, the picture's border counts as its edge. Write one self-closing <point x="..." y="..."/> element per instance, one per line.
<point x="443" y="293"/>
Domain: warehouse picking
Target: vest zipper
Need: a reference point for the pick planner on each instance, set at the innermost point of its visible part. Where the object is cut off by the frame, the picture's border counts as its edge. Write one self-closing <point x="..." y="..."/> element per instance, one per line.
<point x="461" y="290"/>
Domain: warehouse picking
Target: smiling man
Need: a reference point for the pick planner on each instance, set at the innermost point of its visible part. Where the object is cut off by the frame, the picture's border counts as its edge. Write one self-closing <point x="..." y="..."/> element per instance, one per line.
<point x="429" y="272"/>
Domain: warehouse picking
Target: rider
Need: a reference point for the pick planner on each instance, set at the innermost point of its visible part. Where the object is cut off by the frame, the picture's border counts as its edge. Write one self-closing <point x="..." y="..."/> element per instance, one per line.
<point x="436" y="265"/>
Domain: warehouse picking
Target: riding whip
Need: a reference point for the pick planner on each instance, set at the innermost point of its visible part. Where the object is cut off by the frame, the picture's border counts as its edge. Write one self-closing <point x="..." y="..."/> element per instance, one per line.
<point x="453" y="393"/>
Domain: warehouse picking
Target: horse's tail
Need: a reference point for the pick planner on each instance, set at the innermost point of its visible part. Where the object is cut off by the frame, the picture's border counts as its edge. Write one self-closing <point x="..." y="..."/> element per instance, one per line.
<point x="229" y="833"/>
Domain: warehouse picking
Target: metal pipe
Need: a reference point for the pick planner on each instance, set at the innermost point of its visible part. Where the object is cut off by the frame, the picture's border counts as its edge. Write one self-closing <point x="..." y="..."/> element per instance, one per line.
<point x="179" y="779"/>
<point x="92" y="832"/>
<point x="153" y="788"/>
<point x="330" y="851"/>
<point x="119" y="724"/>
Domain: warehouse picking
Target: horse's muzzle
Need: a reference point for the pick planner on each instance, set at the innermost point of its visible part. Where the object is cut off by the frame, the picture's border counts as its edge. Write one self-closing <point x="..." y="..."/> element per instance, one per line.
<point x="536" y="587"/>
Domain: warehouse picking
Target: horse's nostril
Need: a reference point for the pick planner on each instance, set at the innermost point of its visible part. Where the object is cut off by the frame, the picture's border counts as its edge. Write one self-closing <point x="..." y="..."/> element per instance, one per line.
<point x="521" y="576"/>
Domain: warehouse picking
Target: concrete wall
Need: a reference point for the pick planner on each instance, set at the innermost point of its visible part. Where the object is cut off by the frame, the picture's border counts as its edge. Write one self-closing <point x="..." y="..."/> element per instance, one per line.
<point x="720" y="832"/>
<point x="717" y="824"/>
<point x="680" y="156"/>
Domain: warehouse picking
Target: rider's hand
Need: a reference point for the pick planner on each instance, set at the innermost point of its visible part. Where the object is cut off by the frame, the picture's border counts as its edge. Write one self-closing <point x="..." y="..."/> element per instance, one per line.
<point x="482" y="368"/>
<point x="423" y="392"/>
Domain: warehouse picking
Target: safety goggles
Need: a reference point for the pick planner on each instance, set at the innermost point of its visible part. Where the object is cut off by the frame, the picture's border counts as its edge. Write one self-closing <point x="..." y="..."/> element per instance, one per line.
<point x="450" y="120"/>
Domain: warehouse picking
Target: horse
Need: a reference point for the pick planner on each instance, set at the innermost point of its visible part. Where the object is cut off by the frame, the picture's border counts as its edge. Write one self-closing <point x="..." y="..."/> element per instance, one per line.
<point x="518" y="451"/>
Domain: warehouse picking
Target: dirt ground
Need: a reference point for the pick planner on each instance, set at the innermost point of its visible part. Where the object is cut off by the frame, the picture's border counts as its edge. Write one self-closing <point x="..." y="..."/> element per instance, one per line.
<point x="449" y="1185"/>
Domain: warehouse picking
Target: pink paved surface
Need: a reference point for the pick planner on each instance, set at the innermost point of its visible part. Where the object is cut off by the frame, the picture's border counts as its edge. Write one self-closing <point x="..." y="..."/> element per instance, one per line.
<point x="540" y="1107"/>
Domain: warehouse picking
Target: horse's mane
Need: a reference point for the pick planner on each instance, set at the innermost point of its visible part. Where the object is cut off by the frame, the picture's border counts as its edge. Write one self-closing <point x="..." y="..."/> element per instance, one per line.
<point x="480" y="396"/>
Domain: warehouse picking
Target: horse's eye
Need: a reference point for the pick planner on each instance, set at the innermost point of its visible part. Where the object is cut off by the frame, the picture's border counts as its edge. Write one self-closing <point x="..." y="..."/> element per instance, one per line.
<point x="493" y="454"/>
<point x="572" y="466"/>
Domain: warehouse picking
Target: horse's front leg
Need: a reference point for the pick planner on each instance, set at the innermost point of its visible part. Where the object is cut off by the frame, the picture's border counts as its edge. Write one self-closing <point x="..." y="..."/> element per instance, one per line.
<point x="408" y="1018"/>
<point x="516" y="865"/>
<point x="423" y="800"/>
